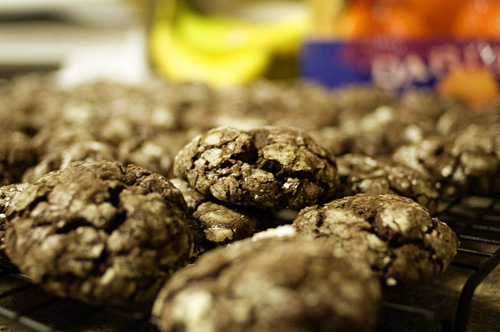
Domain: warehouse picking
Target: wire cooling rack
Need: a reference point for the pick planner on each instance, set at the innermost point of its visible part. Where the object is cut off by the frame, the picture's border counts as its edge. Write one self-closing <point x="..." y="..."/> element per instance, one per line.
<point x="476" y="220"/>
<point x="26" y="307"/>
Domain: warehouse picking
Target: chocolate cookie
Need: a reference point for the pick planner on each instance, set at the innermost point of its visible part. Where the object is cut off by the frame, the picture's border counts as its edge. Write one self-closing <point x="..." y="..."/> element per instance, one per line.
<point x="374" y="134"/>
<point x="16" y="156"/>
<point x="99" y="231"/>
<point x="216" y="223"/>
<point x="155" y="153"/>
<point x="394" y="234"/>
<point x="270" y="284"/>
<point x="80" y="151"/>
<point x="360" y="174"/>
<point x="113" y="112"/>
<point x="192" y="104"/>
<point x="269" y="167"/>
<point x="357" y="100"/>
<point x="279" y="103"/>
<point x="7" y="192"/>
<point x="465" y="163"/>
<point x="29" y="101"/>
<point x="57" y="137"/>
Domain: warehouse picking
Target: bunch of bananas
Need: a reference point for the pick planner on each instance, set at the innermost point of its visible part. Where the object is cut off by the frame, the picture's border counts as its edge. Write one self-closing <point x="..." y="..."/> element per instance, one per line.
<point x="220" y="50"/>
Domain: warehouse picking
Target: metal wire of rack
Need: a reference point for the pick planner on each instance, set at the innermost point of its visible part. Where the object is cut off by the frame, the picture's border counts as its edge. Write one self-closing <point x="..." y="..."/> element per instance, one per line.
<point x="476" y="220"/>
<point x="33" y="309"/>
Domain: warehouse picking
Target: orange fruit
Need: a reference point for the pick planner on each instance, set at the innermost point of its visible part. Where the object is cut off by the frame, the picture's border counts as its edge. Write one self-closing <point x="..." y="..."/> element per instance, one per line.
<point x="438" y="15"/>
<point x="357" y="21"/>
<point x="399" y="20"/>
<point x="478" y="19"/>
<point x="390" y="18"/>
<point x="475" y="85"/>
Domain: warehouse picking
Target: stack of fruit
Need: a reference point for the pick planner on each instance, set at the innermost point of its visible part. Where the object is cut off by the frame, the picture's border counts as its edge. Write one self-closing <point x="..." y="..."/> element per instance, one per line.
<point x="420" y="19"/>
<point x="453" y="46"/>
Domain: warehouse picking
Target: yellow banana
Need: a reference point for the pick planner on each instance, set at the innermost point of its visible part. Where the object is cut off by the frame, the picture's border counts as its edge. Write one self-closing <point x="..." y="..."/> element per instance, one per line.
<point x="220" y="51"/>
<point x="178" y="61"/>
<point x="223" y="34"/>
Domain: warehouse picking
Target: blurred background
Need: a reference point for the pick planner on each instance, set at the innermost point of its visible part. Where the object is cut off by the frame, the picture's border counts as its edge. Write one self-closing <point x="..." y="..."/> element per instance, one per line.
<point x="399" y="43"/>
<point x="82" y="40"/>
<point x="222" y="42"/>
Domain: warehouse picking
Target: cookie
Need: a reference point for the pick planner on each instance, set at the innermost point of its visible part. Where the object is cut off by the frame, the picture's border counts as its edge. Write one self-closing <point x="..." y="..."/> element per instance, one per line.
<point x="29" y="101"/>
<point x="56" y="137"/>
<point x="7" y="192"/>
<point x="428" y="107"/>
<point x="270" y="284"/>
<point x="216" y="223"/>
<point x="269" y="167"/>
<point x="192" y="104"/>
<point x="79" y="151"/>
<point x="113" y="112"/>
<point x="376" y="133"/>
<point x="395" y="235"/>
<point x="99" y="232"/>
<point x="465" y="163"/>
<point x="16" y="156"/>
<point x="155" y="153"/>
<point x="360" y="174"/>
<point x="248" y="106"/>
<point x="357" y="100"/>
<point x="425" y="102"/>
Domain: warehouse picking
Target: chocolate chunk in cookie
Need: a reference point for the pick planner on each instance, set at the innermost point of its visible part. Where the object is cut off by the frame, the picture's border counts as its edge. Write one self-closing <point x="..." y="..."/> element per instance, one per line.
<point x="215" y="223"/>
<point x="269" y="167"/>
<point x="270" y="284"/>
<point x="360" y="174"/>
<point x="99" y="231"/>
<point x="394" y="234"/>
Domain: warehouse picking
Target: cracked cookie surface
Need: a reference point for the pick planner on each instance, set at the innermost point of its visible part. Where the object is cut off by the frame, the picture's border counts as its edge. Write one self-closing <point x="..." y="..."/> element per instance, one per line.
<point x="464" y="163"/>
<point x="99" y="231"/>
<point x="394" y="234"/>
<point x="360" y="174"/>
<point x="16" y="155"/>
<point x="79" y="151"/>
<point x="268" y="167"/>
<point x="270" y="284"/>
<point x="215" y="223"/>
<point x="7" y="193"/>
